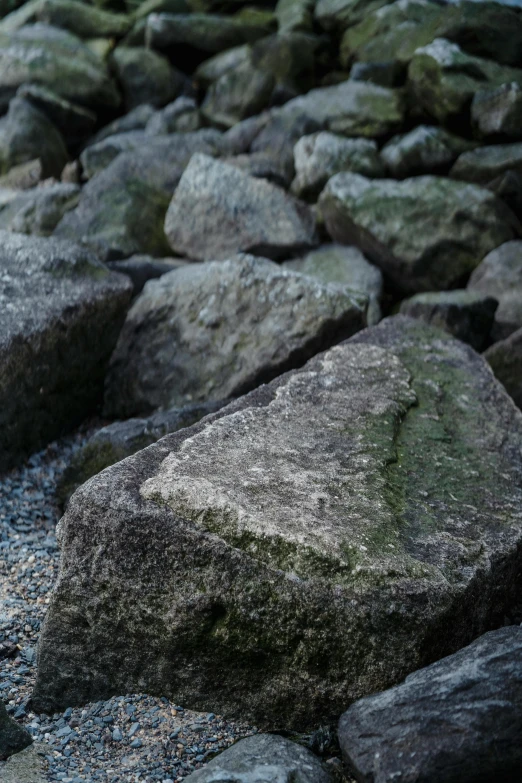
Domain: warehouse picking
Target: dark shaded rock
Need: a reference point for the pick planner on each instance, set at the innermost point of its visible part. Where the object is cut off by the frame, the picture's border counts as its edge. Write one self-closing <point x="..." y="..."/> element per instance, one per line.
<point x="240" y="93"/>
<point x="242" y="136"/>
<point x="299" y="532"/>
<point x="85" y="21"/>
<point x="217" y="66"/>
<point x="498" y="112"/>
<point x="263" y="758"/>
<point x="335" y="15"/>
<point x="213" y="331"/>
<point x="500" y="275"/>
<point x="217" y="210"/>
<point x="505" y="359"/>
<point x="424" y="150"/>
<point x="73" y="121"/>
<point x="145" y="77"/>
<point x="486" y="164"/>
<point x="60" y="304"/>
<point x="262" y="165"/>
<point x="141" y="269"/>
<point x="13" y="737"/>
<point x="38" y="210"/>
<point x="64" y="65"/>
<point x="467" y="315"/>
<point x="27" y="134"/>
<point x="161" y="160"/>
<point x="116" y="441"/>
<point x="456" y="721"/>
<point x="345" y="266"/>
<point x="290" y="58"/>
<point x="384" y="74"/>
<point x="275" y="135"/>
<point x="394" y="32"/>
<point x="294" y="15"/>
<point x="136" y="119"/>
<point x="444" y="79"/>
<point x="321" y="155"/>
<point x="180" y="116"/>
<point x="425" y="233"/>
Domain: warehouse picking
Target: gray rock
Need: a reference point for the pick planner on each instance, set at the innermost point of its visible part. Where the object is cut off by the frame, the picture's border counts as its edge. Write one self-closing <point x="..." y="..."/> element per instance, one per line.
<point x="456" y="721"/>
<point x="180" y="116"/>
<point x="351" y="109"/>
<point x="262" y="165"/>
<point x="161" y="159"/>
<point x="505" y="359"/>
<point x="217" y="66"/>
<point x="213" y="331"/>
<point x="27" y="766"/>
<point x="345" y="266"/>
<point x="217" y="210"/>
<point x="426" y="233"/>
<point x="321" y="155"/>
<point x="23" y="176"/>
<point x="291" y="59"/>
<point x="141" y="269"/>
<point x="202" y="33"/>
<point x="263" y="758"/>
<point x="424" y="150"/>
<point x="335" y="15"/>
<point x="136" y="119"/>
<point x="385" y="74"/>
<point x="500" y="276"/>
<point x="444" y="79"/>
<point x="116" y="441"/>
<point x="242" y="136"/>
<point x="26" y="134"/>
<point x="393" y="32"/>
<point x="240" y="93"/>
<point x="60" y="304"/>
<point x="299" y="532"/>
<point x="85" y="21"/>
<point x="13" y="737"/>
<point x="120" y="213"/>
<point x="275" y="135"/>
<point x="294" y="15"/>
<point x="74" y="122"/>
<point x="467" y="315"/>
<point x="145" y="77"/>
<point x="39" y="210"/>
<point x="498" y="112"/>
<point x="486" y="164"/>
<point x="64" y="65"/>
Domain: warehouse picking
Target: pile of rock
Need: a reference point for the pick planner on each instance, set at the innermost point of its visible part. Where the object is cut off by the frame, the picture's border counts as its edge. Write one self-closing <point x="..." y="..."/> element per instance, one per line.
<point x="203" y="206"/>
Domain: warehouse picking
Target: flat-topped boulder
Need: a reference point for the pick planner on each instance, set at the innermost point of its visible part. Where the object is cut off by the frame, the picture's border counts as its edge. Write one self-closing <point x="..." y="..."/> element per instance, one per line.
<point x="259" y="563"/>
<point x="60" y="304"/>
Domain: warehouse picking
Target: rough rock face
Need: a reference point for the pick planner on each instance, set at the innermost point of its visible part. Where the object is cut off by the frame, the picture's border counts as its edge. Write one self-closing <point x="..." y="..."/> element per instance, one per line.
<point x="500" y="275"/>
<point x="217" y="210"/>
<point x="212" y="331"/>
<point x="485" y="164"/>
<point x="466" y="314"/>
<point x="120" y="439"/>
<point x="498" y="112"/>
<point x="345" y="266"/>
<point x="424" y="150"/>
<point x="38" y="210"/>
<point x="263" y="758"/>
<point x="505" y="359"/>
<point x="146" y="77"/>
<point x="13" y="737"/>
<point x="426" y="233"/>
<point x="456" y="721"/>
<point x="27" y="134"/>
<point x="60" y="304"/>
<point x="260" y="562"/>
<point x="141" y="269"/>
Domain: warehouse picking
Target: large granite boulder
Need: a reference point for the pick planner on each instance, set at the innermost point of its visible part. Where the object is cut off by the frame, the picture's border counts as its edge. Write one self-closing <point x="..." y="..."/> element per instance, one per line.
<point x="444" y="79"/>
<point x="259" y="563"/>
<point x="13" y="737"/>
<point x="500" y="275"/>
<point x="64" y="64"/>
<point x="213" y="331"/>
<point x="425" y="233"/>
<point x="73" y="121"/>
<point x="344" y="266"/>
<point x="263" y="758"/>
<point x="218" y="210"/>
<point x="505" y="359"/>
<point x="456" y="721"/>
<point x="58" y="303"/>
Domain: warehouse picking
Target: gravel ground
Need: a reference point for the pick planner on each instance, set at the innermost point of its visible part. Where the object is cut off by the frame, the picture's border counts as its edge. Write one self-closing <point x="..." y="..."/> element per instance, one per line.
<point x="129" y="738"/>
